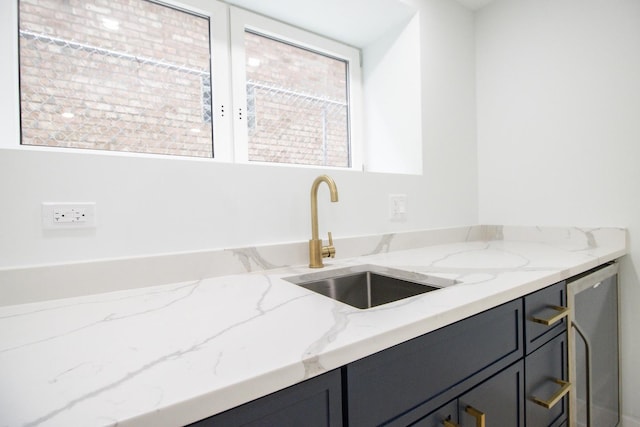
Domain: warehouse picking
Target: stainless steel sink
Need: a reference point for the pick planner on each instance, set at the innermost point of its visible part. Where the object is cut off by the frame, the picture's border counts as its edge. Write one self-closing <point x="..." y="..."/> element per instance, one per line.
<point x="367" y="286"/>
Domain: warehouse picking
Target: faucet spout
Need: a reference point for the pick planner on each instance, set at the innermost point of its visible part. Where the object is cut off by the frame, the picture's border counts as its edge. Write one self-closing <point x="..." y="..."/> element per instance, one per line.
<point x="316" y="250"/>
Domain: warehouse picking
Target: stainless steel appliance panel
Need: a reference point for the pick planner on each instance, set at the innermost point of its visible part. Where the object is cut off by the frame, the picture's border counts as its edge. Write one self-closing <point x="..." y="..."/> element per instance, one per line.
<point x="594" y="349"/>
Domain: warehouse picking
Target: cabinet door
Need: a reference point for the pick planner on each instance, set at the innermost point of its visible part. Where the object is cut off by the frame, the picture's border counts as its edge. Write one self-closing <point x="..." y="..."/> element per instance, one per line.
<point x="314" y="403"/>
<point x="404" y="383"/>
<point x="499" y="401"/>
<point x="545" y="311"/>
<point x="545" y="389"/>
<point x="445" y="416"/>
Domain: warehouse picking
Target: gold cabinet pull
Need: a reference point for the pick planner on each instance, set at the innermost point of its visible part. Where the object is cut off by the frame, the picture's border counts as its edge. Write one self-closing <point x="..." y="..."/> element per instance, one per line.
<point x="548" y="404"/>
<point x="562" y="312"/>
<point x="449" y="423"/>
<point x="479" y="416"/>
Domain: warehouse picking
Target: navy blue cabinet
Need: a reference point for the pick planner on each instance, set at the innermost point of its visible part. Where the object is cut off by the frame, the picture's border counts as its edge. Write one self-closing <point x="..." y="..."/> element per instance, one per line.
<point x="546" y="315"/>
<point x="497" y="401"/>
<point x="446" y="415"/>
<point x="313" y="403"/>
<point x="402" y="383"/>
<point x="546" y="386"/>
<point x="504" y="367"/>
<point x="546" y="362"/>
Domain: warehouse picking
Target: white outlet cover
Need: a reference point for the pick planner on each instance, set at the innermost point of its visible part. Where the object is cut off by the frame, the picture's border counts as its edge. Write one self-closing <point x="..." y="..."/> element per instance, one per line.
<point x="398" y="207"/>
<point x="51" y="215"/>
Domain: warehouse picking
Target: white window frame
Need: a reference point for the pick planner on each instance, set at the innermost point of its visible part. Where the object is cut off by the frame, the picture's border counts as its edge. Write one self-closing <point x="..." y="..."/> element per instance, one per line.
<point x="10" y="101"/>
<point x="221" y="100"/>
<point x="218" y="15"/>
<point x="242" y="20"/>
<point x="227" y="27"/>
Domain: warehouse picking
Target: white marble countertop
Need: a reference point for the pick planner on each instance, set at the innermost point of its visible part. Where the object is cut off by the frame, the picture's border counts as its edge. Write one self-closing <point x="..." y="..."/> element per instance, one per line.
<point x="173" y="354"/>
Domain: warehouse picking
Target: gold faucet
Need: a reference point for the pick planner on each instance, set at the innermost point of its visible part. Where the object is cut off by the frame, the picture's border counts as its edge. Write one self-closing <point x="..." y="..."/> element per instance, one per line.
<point x="316" y="250"/>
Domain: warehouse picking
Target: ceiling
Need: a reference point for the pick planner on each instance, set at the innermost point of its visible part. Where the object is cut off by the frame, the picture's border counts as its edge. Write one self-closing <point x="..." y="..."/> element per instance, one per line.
<point x="335" y="18"/>
<point x="474" y="4"/>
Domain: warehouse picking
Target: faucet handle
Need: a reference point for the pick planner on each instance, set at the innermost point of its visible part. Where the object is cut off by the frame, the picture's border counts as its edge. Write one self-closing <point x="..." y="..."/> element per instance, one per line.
<point x="329" y="251"/>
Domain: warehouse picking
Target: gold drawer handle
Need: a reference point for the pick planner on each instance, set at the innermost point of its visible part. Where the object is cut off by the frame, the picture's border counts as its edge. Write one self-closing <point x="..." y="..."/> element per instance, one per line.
<point x="548" y="404"/>
<point x="479" y="416"/>
<point x="562" y="313"/>
<point x="448" y="423"/>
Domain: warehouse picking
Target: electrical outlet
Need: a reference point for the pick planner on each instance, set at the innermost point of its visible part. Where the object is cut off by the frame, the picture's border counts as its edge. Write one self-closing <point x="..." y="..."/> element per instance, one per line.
<point x="68" y="215"/>
<point x="398" y="207"/>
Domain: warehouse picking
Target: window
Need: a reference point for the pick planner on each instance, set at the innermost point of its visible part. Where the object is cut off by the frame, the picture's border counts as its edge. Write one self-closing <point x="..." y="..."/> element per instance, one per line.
<point x="148" y="77"/>
<point x="120" y="75"/>
<point x="298" y="96"/>
<point x="297" y="104"/>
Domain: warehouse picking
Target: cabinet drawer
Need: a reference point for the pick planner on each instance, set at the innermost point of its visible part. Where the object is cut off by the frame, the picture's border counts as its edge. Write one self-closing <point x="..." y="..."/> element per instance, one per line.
<point x="313" y="403"/>
<point x="544" y="366"/>
<point x="432" y="369"/>
<point x="547" y="305"/>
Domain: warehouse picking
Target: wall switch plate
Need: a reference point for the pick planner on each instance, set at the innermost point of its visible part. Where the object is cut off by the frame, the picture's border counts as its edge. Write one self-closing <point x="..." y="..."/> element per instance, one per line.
<point x="57" y="216"/>
<point x="398" y="207"/>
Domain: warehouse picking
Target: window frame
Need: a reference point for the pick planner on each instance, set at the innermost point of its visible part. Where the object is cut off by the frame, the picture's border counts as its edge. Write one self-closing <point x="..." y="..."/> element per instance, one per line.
<point x="221" y="97"/>
<point x="227" y="24"/>
<point x="217" y="15"/>
<point x="242" y="20"/>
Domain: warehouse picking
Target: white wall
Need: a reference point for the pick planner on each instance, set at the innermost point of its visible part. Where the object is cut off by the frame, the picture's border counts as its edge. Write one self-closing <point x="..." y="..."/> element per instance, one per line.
<point x="558" y="85"/>
<point x="393" y="122"/>
<point x="149" y="205"/>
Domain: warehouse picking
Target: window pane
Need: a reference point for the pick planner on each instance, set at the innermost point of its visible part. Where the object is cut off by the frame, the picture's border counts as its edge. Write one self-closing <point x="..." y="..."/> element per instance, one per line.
<point x="297" y="105"/>
<point x="124" y="75"/>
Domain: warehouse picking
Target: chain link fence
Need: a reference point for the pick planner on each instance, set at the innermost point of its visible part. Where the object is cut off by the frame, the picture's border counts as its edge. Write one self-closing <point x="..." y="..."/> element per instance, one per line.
<point x="287" y="126"/>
